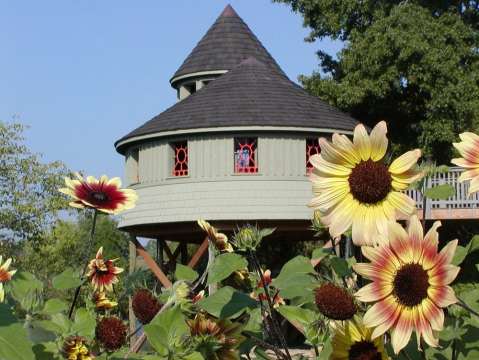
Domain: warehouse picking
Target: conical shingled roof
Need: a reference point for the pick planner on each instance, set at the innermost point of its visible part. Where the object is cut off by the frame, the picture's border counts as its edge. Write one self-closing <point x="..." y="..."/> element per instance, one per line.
<point x="251" y="94"/>
<point x="228" y="42"/>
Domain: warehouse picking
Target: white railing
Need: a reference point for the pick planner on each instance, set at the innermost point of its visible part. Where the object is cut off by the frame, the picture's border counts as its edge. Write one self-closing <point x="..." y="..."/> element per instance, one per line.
<point x="460" y="200"/>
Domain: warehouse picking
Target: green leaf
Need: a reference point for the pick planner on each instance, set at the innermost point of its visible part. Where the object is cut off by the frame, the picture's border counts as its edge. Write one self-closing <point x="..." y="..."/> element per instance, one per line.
<point x="227" y="302"/>
<point x="68" y="279"/>
<point x="84" y="324"/>
<point x="224" y="265"/>
<point x="326" y="351"/>
<point x="14" y="343"/>
<point x="53" y="306"/>
<point x="295" y="280"/>
<point x="440" y="192"/>
<point x="297" y="315"/>
<point x="166" y="330"/>
<point x="462" y="252"/>
<point x="186" y="273"/>
<point x="321" y="252"/>
<point x="340" y="266"/>
<point x="26" y="289"/>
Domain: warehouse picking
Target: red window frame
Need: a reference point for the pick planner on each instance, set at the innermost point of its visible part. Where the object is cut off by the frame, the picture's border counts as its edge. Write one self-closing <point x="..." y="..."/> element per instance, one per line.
<point x="245" y="155"/>
<point x="180" y="158"/>
<point x="312" y="148"/>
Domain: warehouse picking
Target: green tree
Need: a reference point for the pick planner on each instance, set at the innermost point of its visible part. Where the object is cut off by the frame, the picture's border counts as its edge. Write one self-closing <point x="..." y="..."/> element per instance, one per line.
<point x="412" y="63"/>
<point x="29" y="197"/>
<point x="65" y="245"/>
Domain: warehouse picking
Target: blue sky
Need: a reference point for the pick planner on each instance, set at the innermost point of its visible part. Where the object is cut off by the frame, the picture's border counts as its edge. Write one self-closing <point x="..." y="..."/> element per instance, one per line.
<point x="84" y="73"/>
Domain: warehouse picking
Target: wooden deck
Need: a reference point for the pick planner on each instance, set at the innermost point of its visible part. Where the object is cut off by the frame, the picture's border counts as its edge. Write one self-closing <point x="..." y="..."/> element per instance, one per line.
<point x="458" y="207"/>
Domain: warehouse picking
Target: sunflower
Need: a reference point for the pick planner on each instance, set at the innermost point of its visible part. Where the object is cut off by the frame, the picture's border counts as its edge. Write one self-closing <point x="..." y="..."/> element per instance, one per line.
<point x="410" y="283"/>
<point x="220" y="240"/>
<point x="353" y="341"/>
<point x="353" y="186"/>
<point x="335" y="302"/>
<point x="104" y="195"/>
<point x="74" y="348"/>
<point x="5" y="275"/>
<point x="103" y="273"/>
<point x="215" y="339"/>
<point x="469" y="150"/>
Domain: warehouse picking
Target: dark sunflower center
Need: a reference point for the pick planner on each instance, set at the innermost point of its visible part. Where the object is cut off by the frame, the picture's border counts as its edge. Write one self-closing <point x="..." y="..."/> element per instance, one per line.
<point x="364" y="350"/>
<point x="410" y="284"/>
<point x="99" y="196"/>
<point x="335" y="302"/>
<point x="370" y="182"/>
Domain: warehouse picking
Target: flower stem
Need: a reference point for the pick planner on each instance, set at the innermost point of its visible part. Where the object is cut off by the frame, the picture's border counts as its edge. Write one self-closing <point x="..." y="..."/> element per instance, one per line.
<point x="462" y="304"/>
<point x="271" y="306"/>
<point x="85" y="261"/>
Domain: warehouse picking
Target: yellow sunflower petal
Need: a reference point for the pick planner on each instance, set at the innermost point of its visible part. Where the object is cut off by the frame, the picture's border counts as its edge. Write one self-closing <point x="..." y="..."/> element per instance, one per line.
<point x="362" y="142"/>
<point x="401" y="202"/>
<point x="381" y="312"/>
<point x="433" y="313"/>
<point x="465" y="163"/>
<point x="405" y="162"/>
<point x="401" y="333"/>
<point x="399" y="241"/>
<point x="443" y="275"/>
<point x="442" y="296"/>
<point x="326" y="168"/>
<point x="374" y="292"/>
<point x="345" y="145"/>
<point x="379" y="141"/>
<point x="330" y="153"/>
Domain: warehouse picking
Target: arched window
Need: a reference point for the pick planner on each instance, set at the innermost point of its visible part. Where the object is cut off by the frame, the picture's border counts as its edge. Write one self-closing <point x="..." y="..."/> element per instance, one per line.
<point x="180" y="159"/>
<point x="312" y="148"/>
<point x="245" y="155"/>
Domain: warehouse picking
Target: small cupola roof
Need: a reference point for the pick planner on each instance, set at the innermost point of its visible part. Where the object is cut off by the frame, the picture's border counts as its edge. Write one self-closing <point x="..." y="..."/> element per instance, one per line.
<point x="228" y="42"/>
<point x="251" y="94"/>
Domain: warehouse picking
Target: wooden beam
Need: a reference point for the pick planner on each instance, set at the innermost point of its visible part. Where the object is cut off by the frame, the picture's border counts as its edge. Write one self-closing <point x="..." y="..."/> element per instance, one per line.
<point x="199" y="253"/>
<point x="140" y="250"/>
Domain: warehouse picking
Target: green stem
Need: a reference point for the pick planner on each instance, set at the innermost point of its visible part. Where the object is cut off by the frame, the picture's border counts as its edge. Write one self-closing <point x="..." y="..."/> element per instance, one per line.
<point x="462" y="304"/>
<point x="271" y="307"/>
<point x="85" y="261"/>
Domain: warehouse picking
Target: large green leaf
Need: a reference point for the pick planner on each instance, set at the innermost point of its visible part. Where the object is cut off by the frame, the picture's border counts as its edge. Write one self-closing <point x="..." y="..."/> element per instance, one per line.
<point x="227" y="302"/>
<point x="68" y="279"/>
<point x="294" y="279"/>
<point x="463" y="251"/>
<point x="340" y="266"/>
<point x="297" y="314"/>
<point x="26" y="289"/>
<point x="224" y="265"/>
<point x="84" y="324"/>
<point x="14" y="343"/>
<point x="164" y="332"/>
<point x="53" y="306"/>
<point x="440" y="192"/>
<point x="186" y="273"/>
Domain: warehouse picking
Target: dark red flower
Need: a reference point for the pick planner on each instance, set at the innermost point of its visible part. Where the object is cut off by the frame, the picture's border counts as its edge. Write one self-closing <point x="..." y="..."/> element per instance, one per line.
<point x="105" y="194"/>
<point x="111" y="333"/>
<point x="145" y="306"/>
<point x="334" y="302"/>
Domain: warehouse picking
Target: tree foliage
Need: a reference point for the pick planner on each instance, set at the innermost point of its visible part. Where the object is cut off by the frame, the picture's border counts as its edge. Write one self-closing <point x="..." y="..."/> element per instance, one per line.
<point x="412" y="63"/>
<point x="29" y="197"/>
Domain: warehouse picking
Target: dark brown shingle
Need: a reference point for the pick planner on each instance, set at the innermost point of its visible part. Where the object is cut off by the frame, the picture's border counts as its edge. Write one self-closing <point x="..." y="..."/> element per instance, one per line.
<point x="228" y="42"/>
<point x="252" y="93"/>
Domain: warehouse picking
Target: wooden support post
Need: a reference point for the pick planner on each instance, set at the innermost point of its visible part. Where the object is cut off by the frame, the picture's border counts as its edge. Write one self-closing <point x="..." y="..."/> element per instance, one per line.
<point x="140" y="250"/>
<point x="137" y="249"/>
<point x="198" y="254"/>
<point x="131" y="314"/>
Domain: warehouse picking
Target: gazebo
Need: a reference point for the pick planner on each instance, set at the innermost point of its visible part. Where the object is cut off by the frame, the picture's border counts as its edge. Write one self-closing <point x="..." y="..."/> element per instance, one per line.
<point x="234" y="149"/>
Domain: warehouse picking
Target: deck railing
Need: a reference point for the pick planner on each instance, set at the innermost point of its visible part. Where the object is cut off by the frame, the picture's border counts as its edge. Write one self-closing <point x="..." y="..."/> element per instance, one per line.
<point x="460" y="200"/>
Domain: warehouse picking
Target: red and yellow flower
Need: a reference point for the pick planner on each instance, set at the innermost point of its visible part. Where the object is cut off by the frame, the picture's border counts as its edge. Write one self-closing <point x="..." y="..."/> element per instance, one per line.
<point x="354" y="187"/>
<point x="103" y="273"/>
<point x="5" y="275"/>
<point x="410" y="283"/>
<point x="220" y="240"/>
<point x="469" y="150"/>
<point x="102" y="302"/>
<point x="74" y="348"/>
<point x="105" y="194"/>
